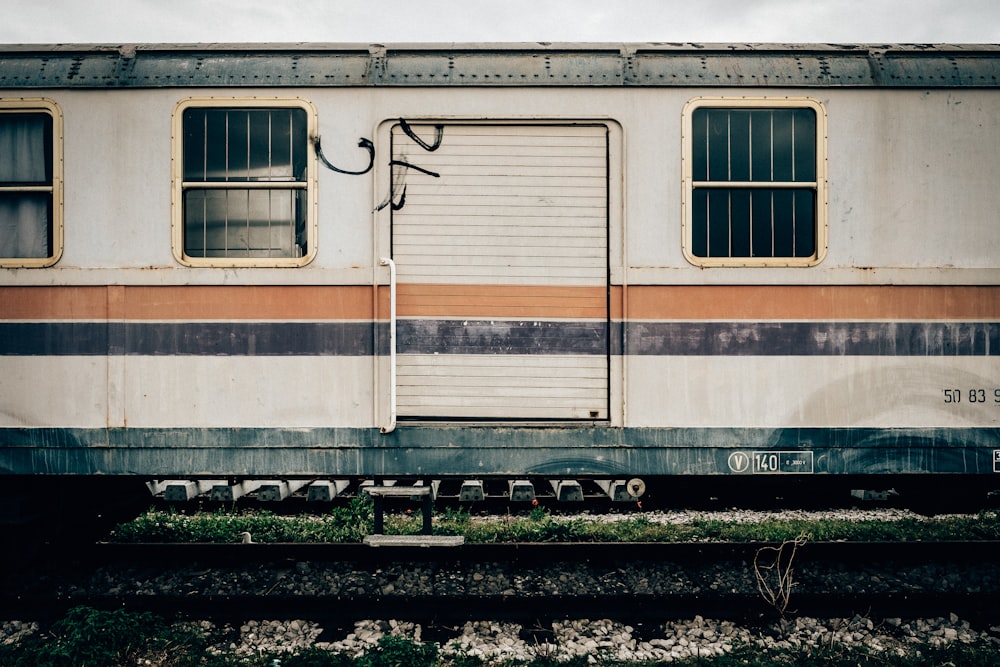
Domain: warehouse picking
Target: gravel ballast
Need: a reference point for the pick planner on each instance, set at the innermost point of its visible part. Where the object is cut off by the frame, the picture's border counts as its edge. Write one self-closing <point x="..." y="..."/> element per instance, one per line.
<point x="599" y="639"/>
<point x="666" y="641"/>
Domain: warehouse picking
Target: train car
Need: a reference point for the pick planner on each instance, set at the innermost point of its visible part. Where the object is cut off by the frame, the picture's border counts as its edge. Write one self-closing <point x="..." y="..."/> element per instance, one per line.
<point x="671" y="266"/>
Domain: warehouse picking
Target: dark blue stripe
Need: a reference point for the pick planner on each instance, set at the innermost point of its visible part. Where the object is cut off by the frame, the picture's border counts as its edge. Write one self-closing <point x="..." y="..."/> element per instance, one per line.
<point x="814" y="338"/>
<point x="188" y="338"/>
<point x="250" y="338"/>
<point x="54" y="338"/>
<point x="503" y="337"/>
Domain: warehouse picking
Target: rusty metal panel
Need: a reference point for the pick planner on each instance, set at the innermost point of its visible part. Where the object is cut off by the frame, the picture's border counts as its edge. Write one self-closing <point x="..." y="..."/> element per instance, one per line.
<point x="738" y="68"/>
<point x="538" y="64"/>
<point x="44" y="69"/>
<point x="451" y="450"/>
<point x="935" y="69"/>
<point x="503" y="68"/>
<point x="248" y="68"/>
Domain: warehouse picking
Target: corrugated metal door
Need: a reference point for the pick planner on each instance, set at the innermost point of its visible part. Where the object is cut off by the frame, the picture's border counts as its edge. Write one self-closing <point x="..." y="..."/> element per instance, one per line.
<point x="502" y="260"/>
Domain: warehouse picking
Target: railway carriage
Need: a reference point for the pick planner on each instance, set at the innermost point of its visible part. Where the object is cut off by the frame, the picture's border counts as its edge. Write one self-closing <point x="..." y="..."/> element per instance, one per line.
<point x="681" y="265"/>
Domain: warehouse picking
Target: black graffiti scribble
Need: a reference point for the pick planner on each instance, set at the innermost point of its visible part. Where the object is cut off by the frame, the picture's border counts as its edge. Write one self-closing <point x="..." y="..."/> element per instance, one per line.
<point x="362" y="143"/>
<point x="409" y="165"/>
<point x="367" y="144"/>
<point x="391" y="202"/>
<point x="390" y="199"/>
<point x="430" y="148"/>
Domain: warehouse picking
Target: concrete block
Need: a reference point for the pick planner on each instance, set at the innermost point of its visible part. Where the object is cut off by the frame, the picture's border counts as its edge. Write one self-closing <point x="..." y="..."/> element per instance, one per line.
<point x="521" y="491"/>
<point x="326" y="490"/>
<point x="567" y="490"/>
<point x="471" y="491"/>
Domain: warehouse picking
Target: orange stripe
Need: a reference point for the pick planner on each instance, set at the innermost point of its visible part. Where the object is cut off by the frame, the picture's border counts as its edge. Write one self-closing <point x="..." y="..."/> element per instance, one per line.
<point x="310" y="302"/>
<point x="54" y="303"/>
<point x="644" y="302"/>
<point x="764" y="302"/>
<point x="422" y="300"/>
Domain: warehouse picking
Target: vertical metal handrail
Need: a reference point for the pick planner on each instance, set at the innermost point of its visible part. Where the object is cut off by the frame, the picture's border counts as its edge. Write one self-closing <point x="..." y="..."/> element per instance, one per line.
<point x="391" y="426"/>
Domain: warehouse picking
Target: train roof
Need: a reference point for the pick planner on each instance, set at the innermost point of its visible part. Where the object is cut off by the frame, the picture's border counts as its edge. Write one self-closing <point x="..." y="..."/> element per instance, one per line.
<point x="490" y="65"/>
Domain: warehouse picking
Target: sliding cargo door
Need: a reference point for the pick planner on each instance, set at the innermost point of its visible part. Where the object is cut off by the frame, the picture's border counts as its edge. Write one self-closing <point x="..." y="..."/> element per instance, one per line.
<point x="500" y="239"/>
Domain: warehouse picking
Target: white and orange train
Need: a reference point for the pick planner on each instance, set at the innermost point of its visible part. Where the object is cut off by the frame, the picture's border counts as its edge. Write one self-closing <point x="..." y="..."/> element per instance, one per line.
<point x="671" y="263"/>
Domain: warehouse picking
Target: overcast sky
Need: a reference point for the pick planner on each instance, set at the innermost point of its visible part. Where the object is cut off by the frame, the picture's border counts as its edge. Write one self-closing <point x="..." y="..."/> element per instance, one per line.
<point x="394" y="21"/>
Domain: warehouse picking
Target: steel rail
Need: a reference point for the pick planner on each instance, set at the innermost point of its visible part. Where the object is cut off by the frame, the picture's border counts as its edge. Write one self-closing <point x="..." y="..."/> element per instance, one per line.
<point x="32" y="590"/>
<point x="342" y="611"/>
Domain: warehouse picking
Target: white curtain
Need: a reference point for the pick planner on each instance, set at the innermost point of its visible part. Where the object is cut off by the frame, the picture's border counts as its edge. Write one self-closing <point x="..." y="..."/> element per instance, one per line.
<point x="24" y="216"/>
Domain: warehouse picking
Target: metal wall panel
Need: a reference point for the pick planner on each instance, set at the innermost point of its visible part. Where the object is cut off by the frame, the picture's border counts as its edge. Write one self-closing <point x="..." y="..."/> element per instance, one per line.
<point x="510" y="205"/>
<point x="500" y="65"/>
<point x="518" y="206"/>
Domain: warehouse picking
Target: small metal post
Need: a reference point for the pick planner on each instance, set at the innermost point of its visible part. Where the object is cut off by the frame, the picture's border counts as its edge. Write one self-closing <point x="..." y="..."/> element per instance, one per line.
<point x="377" y="503"/>
<point x="427" y="503"/>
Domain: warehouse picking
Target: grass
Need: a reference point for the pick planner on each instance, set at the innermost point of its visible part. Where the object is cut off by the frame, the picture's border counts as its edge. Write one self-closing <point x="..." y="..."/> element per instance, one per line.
<point x="88" y="637"/>
<point x="345" y="524"/>
<point x="352" y="522"/>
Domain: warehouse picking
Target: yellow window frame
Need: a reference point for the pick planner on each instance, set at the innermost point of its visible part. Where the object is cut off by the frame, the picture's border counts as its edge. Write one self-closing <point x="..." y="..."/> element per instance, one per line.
<point x="179" y="185"/>
<point x="819" y="186"/>
<point x="23" y="105"/>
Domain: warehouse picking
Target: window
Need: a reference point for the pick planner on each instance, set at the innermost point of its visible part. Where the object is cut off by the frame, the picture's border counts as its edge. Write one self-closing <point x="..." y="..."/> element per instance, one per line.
<point x="244" y="182"/>
<point x="754" y="182"/>
<point x="30" y="183"/>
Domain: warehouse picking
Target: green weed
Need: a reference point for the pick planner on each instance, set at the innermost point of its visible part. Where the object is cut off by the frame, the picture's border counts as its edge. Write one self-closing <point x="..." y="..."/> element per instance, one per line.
<point x="353" y="522"/>
<point x="393" y="651"/>
<point x="88" y="637"/>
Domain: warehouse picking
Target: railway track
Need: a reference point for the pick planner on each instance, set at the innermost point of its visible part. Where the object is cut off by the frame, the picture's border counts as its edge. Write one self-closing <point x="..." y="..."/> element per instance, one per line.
<point x="337" y="584"/>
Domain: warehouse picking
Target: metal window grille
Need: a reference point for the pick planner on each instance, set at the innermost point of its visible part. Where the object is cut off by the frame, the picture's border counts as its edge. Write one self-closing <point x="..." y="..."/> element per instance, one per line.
<point x="754" y="182"/>
<point x="244" y="182"/>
